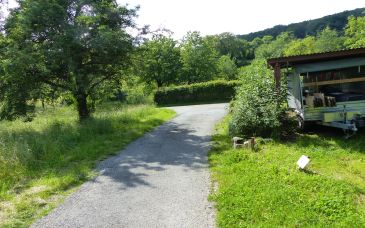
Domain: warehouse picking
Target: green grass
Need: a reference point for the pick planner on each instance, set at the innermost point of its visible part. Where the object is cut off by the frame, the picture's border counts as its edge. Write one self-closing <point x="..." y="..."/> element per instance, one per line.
<point x="44" y="160"/>
<point x="265" y="188"/>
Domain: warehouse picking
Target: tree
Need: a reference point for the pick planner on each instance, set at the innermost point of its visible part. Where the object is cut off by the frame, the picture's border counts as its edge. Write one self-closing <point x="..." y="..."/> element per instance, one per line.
<point x="258" y="110"/>
<point x="328" y="40"/>
<point x="69" y="45"/>
<point x="227" y="68"/>
<point x="237" y="49"/>
<point x="355" y="32"/>
<point x="300" y="46"/>
<point x="199" y="58"/>
<point x="275" y="48"/>
<point x="256" y="43"/>
<point x="159" y="61"/>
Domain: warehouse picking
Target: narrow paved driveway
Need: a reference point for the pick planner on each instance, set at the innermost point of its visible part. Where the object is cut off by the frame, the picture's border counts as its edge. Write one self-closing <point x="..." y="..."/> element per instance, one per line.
<point x="160" y="180"/>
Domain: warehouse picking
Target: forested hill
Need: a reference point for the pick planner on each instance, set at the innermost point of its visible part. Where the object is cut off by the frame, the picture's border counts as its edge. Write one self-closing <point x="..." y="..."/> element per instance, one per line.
<point x="336" y="21"/>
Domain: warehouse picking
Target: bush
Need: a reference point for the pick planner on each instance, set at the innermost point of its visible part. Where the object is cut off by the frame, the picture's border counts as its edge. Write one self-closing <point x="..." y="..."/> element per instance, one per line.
<point x="213" y="91"/>
<point x="259" y="110"/>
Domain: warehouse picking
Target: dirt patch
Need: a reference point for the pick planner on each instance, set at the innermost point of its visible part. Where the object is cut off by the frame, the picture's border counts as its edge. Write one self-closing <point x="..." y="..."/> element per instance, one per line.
<point x="36" y="189"/>
<point x="6" y="208"/>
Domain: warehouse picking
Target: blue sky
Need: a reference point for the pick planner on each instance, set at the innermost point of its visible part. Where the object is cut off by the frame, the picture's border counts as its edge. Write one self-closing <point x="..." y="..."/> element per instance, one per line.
<point x="236" y="16"/>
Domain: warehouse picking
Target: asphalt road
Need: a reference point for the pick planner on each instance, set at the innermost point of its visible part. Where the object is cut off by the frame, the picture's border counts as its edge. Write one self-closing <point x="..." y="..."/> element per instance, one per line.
<point x="159" y="180"/>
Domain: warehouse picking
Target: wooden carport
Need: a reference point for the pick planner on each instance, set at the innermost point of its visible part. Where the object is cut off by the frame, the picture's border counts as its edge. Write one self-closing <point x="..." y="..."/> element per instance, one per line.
<point x="285" y="62"/>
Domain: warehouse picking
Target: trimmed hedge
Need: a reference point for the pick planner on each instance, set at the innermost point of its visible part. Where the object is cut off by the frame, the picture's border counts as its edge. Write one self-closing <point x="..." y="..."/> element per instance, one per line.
<point x="213" y="91"/>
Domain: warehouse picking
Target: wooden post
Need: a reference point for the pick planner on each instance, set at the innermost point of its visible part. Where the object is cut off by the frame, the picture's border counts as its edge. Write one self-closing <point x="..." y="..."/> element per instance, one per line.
<point x="277" y="73"/>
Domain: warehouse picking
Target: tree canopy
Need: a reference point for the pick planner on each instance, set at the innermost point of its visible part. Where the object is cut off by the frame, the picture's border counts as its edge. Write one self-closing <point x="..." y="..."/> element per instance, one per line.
<point x="237" y="49"/>
<point x="159" y="61"/>
<point x="355" y="32"/>
<point x="274" y="48"/>
<point x="72" y="46"/>
<point x="80" y="52"/>
<point x="199" y="58"/>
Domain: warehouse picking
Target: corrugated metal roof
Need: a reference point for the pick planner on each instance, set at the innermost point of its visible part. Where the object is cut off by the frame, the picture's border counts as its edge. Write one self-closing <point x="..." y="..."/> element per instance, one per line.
<point x="316" y="57"/>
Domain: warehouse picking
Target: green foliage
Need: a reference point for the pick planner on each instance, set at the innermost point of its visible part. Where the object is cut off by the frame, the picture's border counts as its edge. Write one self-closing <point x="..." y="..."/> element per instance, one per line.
<point x="308" y="28"/>
<point x="226" y="67"/>
<point x="199" y="58"/>
<point x="159" y="61"/>
<point x="73" y="46"/>
<point x="325" y="41"/>
<point x="355" y="32"/>
<point x="16" y="93"/>
<point x="300" y="47"/>
<point x="237" y="49"/>
<point x="286" y="45"/>
<point x="259" y="108"/>
<point x="42" y="160"/>
<point x="259" y="41"/>
<point x="138" y="91"/>
<point x="213" y="91"/>
<point x="328" y="40"/>
<point x="275" y="48"/>
<point x="265" y="188"/>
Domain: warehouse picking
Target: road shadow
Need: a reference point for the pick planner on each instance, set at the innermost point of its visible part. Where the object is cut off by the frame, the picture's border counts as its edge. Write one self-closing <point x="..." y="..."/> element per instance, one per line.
<point x="67" y="150"/>
<point x="169" y="145"/>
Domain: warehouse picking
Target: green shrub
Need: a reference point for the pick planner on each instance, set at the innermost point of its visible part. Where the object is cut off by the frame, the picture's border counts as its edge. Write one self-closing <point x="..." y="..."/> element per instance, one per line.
<point x="259" y="110"/>
<point x="213" y="91"/>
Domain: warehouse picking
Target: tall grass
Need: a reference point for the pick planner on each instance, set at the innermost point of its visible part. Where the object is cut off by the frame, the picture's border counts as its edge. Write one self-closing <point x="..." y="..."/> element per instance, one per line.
<point x="44" y="158"/>
<point x="266" y="189"/>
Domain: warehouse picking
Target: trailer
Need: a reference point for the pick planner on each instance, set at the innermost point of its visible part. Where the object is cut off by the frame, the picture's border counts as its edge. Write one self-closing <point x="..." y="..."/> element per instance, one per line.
<point x="325" y="88"/>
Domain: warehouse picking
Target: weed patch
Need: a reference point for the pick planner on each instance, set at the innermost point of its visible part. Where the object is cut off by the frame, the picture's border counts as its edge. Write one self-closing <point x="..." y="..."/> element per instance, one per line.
<point x="265" y="188"/>
<point x="43" y="160"/>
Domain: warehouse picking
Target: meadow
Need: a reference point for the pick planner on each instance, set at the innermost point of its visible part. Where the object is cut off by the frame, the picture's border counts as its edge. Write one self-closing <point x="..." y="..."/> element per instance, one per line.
<point x="264" y="188"/>
<point x="44" y="160"/>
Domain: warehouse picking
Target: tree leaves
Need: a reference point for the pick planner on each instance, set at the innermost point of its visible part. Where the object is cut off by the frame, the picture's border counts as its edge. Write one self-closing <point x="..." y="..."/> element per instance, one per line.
<point x="73" y="46"/>
<point x="355" y="32"/>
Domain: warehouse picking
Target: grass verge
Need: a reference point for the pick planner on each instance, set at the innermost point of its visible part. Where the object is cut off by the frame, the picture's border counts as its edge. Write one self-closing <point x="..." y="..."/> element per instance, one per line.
<point x="44" y="160"/>
<point x="266" y="189"/>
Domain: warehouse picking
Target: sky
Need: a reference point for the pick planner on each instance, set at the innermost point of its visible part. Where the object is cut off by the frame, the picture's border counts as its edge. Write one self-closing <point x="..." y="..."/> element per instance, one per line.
<point x="235" y="16"/>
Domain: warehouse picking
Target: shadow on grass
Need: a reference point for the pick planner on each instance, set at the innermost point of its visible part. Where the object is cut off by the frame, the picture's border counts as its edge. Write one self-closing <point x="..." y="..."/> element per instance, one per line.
<point x="315" y="136"/>
<point x="321" y="136"/>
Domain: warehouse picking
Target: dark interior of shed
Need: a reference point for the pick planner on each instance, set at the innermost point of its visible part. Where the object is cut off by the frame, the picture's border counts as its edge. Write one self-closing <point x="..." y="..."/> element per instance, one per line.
<point x="326" y="88"/>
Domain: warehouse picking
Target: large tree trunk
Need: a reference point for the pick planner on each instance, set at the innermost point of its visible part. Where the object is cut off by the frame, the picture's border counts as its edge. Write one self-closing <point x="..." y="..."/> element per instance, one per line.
<point x="82" y="107"/>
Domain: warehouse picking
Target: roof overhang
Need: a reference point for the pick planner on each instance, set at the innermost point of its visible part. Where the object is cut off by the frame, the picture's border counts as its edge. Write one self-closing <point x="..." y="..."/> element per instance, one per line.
<point x="291" y="61"/>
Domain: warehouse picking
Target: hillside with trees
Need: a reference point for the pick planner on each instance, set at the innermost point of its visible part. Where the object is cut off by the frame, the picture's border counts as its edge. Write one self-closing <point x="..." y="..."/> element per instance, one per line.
<point x="336" y="21"/>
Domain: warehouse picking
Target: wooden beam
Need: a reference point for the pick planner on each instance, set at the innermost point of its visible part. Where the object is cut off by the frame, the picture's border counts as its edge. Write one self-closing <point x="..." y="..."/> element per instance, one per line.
<point x="333" y="82"/>
<point x="277" y="73"/>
